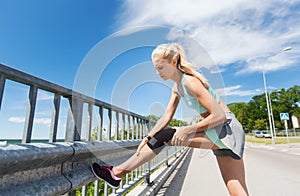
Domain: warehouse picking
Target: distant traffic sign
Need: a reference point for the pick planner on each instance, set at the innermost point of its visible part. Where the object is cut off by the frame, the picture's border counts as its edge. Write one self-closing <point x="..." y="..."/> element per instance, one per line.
<point x="284" y="116"/>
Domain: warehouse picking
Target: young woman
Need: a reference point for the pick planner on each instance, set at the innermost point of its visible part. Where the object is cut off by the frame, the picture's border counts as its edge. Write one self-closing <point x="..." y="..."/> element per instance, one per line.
<point x="219" y="130"/>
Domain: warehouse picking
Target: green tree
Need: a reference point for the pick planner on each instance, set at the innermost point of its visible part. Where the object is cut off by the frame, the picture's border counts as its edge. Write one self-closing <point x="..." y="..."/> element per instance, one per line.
<point x="250" y="113"/>
<point x="94" y="135"/>
<point x="259" y="124"/>
<point x="282" y="101"/>
<point x="257" y="107"/>
<point x="153" y="117"/>
<point x="177" y="123"/>
<point x="285" y="101"/>
<point x="241" y="112"/>
<point x="174" y="122"/>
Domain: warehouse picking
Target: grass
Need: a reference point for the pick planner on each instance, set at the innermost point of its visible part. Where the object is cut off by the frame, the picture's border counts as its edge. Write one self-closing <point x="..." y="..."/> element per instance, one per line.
<point x="278" y="140"/>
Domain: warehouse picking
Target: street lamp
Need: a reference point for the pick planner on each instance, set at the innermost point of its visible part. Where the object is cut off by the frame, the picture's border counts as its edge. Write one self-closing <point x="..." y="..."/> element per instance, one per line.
<point x="267" y="98"/>
<point x="287" y="49"/>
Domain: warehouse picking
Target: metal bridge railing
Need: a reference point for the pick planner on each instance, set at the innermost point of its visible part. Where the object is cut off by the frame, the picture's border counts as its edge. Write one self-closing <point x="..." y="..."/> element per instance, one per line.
<point x="53" y="168"/>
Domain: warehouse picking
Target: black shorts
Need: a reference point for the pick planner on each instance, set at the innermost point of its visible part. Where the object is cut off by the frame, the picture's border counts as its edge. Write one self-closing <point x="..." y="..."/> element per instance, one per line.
<point x="226" y="152"/>
<point x="157" y="141"/>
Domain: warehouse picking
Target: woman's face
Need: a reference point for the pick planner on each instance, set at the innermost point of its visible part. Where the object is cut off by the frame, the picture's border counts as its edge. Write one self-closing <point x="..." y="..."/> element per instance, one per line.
<point x="164" y="68"/>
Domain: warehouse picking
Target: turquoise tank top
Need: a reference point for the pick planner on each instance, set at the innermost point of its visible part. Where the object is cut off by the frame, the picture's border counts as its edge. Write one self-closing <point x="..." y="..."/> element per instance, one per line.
<point x="192" y="101"/>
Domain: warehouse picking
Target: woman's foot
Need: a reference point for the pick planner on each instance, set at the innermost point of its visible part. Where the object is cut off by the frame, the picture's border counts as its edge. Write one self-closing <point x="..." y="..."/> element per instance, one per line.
<point x="105" y="173"/>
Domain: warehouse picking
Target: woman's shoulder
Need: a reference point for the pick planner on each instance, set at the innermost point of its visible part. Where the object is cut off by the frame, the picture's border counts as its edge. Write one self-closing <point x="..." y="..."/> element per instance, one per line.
<point x="190" y="79"/>
<point x="192" y="84"/>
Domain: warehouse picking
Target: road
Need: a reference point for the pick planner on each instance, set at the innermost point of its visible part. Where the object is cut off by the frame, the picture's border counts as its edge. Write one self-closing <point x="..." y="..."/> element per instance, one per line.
<point x="270" y="170"/>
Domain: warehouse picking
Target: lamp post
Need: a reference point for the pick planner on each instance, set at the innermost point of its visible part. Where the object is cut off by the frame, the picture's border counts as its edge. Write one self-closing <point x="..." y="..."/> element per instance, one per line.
<point x="271" y="112"/>
<point x="268" y="106"/>
<point x="272" y="116"/>
<point x="268" y="101"/>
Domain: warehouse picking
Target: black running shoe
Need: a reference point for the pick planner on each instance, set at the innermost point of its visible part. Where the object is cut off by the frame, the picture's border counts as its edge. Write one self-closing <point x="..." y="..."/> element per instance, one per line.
<point x="105" y="173"/>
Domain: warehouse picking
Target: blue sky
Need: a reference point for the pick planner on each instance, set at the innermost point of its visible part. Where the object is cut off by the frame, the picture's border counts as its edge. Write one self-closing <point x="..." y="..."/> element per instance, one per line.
<point x="56" y="40"/>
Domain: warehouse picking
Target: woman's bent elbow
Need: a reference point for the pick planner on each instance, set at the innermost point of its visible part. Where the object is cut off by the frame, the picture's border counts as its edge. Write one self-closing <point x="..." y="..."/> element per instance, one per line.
<point x="223" y="117"/>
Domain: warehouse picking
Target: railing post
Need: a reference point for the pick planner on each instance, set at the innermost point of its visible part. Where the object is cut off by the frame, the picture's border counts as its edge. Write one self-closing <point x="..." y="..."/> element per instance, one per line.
<point x="96" y="188"/>
<point x="54" y="121"/>
<point x="143" y="128"/>
<point x="30" y="114"/>
<point x="147" y="176"/>
<point x="139" y="128"/>
<point x="123" y="126"/>
<point x="74" y="121"/>
<point x="2" y="84"/>
<point x="105" y="189"/>
<point x="100" y="123"/>
<point x="84" y="191"/>
<point x="72" y="193"/>
<point x="117" y="126"/>
<point x="109" y="123"/>
<point x="133" y="128"/>
<point x="167" y="156"/>
<point x="89" y="122"/>
<point x="128" y="131"/>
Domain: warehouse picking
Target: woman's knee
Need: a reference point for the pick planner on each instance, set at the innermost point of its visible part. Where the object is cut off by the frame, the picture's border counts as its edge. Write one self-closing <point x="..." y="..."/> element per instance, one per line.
<point x="159" y="140"/>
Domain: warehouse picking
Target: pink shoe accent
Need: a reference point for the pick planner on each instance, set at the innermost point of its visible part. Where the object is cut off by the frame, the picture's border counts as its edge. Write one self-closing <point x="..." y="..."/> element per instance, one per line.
<point x="113" y="175"/>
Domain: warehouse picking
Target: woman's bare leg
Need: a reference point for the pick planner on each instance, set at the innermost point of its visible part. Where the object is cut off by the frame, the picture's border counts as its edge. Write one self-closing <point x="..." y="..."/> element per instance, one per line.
<point x="198" y="140"/>
<point x="232" y="170"/>
<point x="134" y="161"/>
<point x="233" y="173"/>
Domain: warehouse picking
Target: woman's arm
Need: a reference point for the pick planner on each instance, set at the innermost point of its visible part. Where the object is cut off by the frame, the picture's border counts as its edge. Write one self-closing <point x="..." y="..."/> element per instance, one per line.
<point x="215" y="114"/>
<point x="168" y="115"/>
<point x="164" y="120"/>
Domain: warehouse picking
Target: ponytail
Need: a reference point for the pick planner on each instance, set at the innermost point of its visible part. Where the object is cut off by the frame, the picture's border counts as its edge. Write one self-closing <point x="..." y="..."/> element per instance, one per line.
<point x="186" y="67"/>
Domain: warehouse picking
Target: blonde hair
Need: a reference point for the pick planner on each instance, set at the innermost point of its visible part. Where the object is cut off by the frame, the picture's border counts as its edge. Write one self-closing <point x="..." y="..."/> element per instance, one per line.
<point x="174" y="50"/>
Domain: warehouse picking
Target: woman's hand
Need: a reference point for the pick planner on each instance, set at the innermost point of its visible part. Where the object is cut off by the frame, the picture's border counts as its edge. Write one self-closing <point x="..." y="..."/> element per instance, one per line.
<point x="180" y="136"/>
<point x="142" y="144"/>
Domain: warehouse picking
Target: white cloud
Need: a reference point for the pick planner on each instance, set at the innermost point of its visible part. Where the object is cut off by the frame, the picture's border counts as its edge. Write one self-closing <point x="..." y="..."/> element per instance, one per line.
<point x="17" y="119"/>
<point x="235" y="90"/>
<point x="45" y="121"/>
<point x="229" y="30"/>
<point x="270" y="63"/>
<point x="44" y="96"/>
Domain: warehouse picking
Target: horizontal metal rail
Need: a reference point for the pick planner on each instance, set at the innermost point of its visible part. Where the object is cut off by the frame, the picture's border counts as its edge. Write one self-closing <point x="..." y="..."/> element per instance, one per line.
<point x="76" y="101"/>
<point x="24" y="78"/>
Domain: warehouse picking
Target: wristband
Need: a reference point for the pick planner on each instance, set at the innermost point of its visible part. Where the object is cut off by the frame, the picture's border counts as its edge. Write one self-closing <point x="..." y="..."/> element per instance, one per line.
<point x="148" y="137"/>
